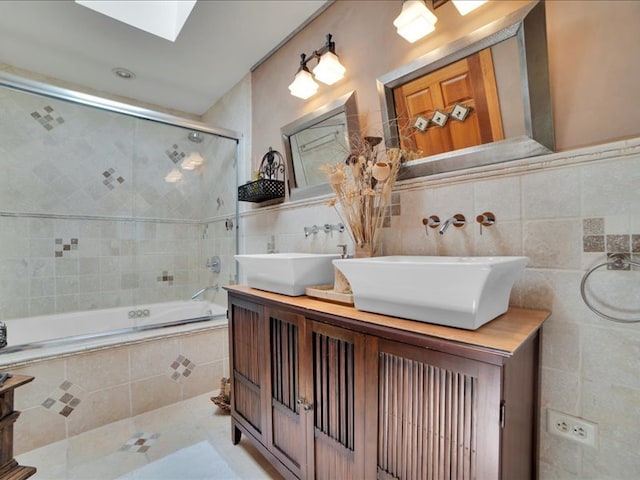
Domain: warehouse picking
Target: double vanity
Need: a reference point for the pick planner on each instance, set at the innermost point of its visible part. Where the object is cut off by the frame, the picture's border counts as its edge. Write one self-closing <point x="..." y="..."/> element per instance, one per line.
<point x="326" y="390"/>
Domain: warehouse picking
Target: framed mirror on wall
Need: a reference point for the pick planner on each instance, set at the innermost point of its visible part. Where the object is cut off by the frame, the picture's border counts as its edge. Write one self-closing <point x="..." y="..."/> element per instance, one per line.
<point x="318" y="138"/>
<point x="481" y="99"/>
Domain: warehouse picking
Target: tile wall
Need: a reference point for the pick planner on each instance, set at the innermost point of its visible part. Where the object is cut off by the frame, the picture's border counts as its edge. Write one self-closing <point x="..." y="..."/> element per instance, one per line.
<point x="87" y="220"/>
<point x="565" y="211"/>
<point x="74" y="394"/>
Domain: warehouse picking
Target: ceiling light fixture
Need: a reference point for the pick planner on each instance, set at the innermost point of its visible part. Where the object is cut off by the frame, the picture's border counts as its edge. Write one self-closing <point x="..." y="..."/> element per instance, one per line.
<point x="415" y="21"/>
<point x="124" y="73"/>
<point x="328" y="71"/>
<point x="466" y="6"/>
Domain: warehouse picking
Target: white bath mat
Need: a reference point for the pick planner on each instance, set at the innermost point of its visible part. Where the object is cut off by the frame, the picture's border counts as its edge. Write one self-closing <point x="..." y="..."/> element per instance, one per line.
<point x="199" y="461"/>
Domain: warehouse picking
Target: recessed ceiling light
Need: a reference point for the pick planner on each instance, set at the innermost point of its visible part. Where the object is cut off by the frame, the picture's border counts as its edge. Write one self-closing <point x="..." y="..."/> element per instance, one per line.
<point x="124" y="73"/>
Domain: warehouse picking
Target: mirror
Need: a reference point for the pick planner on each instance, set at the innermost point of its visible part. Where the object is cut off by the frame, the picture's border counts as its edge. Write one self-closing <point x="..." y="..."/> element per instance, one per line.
<point x="318" y="138"/>
<point x="457" y="130"/>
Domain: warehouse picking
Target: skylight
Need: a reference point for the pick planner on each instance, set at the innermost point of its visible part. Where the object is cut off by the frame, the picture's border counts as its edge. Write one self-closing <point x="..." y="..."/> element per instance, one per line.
<point x="161" y="18"/>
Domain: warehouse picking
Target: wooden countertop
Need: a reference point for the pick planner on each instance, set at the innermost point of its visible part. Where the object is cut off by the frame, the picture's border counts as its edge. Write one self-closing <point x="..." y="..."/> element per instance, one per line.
<point x="503" y="335"/>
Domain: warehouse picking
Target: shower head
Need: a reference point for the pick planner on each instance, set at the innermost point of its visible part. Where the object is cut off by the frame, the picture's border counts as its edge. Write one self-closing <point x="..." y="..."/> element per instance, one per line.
<point x="195" y="137"/>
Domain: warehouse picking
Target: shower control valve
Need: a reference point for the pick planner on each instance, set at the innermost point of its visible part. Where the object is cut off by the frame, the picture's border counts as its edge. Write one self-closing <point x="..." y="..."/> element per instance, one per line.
<point x="486" y="219"/>
<point x="433" y="221"/>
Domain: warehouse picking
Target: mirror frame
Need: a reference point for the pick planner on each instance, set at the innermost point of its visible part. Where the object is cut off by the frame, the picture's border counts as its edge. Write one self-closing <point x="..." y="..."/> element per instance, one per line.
<point x="347" y="104"/>
<point x="528" y="26"/>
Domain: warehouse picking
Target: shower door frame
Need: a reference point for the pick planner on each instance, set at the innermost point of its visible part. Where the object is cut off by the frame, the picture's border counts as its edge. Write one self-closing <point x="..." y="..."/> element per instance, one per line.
<point x="28" y="85"/>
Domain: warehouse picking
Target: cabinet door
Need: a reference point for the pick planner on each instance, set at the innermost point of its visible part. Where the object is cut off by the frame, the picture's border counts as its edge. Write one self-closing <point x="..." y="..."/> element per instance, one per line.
<point x="336" y="438"/>
<point x="287" y="390"/>
<point x="438" y="415"/>
<point x="247" y="355"/>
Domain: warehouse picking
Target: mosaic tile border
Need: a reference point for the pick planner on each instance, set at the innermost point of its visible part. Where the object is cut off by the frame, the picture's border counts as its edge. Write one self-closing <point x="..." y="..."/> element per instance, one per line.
<point x="596" y="239"/>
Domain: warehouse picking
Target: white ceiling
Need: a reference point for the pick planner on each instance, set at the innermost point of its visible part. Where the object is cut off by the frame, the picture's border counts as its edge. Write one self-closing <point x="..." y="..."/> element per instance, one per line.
<point x="219" y="43"/>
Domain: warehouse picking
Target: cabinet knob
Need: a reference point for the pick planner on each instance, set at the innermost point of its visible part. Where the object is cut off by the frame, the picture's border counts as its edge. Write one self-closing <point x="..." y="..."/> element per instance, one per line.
<point x="307" y="407"/>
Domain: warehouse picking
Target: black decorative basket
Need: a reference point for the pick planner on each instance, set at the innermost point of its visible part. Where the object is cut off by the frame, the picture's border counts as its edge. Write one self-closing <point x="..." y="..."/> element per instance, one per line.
<point x="270" y="183"/>
<point x="261" y="190"/>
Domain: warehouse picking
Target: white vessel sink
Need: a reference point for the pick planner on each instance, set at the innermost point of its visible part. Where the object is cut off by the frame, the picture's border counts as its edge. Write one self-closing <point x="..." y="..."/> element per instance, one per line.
<point x="462" y="292"/>
<point x="287" y="273"/>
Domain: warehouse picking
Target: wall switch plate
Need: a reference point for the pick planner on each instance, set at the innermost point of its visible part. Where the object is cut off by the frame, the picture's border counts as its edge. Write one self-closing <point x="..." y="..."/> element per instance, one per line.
<point x="572" y="428"/>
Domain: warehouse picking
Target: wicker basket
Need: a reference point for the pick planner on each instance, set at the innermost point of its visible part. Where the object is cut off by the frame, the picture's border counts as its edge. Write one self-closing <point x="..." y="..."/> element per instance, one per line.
<point x="261" y="190"/>
<point x="270" y="182"/>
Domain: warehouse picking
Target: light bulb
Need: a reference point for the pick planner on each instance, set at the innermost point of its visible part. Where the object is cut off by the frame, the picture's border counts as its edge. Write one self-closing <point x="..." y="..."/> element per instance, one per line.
<point x="303" y="86"/>
<point x="329" y="70"/>
<point x="466" y="6"/>
<point x="415" y="21"/>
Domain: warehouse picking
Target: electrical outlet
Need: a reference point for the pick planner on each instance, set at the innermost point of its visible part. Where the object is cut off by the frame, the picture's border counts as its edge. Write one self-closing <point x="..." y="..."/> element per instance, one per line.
<point x="573" y="428"/>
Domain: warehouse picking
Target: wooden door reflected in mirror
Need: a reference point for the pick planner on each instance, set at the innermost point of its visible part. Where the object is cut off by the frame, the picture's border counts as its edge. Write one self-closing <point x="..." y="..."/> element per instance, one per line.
<point x="469" y="82"/>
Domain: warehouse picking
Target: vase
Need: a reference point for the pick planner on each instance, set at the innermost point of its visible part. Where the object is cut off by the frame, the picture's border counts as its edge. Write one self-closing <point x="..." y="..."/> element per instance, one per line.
<point x="365" y="250"/>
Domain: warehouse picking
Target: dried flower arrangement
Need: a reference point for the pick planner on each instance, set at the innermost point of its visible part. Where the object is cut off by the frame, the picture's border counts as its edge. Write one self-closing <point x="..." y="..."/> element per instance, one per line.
<point x="363" y="185"/>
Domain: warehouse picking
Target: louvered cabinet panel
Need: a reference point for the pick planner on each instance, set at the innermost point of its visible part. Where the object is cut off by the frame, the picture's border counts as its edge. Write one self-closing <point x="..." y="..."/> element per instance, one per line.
<point x="247" y="354"/>
<point x="433" y="412"/>
<point x="338" y="392"/>
<point x="287" y="392"/>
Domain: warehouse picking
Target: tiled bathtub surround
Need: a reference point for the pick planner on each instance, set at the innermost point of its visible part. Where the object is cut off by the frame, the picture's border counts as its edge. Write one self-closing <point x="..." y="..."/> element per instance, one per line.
<point x="74" y="394"/>
<point x="57" y="265"/>
<point x="47" y="118"/>
<point x="87" y="220"/>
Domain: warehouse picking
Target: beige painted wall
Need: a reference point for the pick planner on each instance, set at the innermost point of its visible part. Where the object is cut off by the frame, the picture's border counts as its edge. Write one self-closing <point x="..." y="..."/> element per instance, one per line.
<point x="594" y="48"/>
<point x="589" y="366"/>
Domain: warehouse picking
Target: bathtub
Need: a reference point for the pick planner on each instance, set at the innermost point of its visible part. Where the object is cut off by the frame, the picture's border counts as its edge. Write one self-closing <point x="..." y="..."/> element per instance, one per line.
<point x="114" y="364"/>
<point x="45" y="336"/>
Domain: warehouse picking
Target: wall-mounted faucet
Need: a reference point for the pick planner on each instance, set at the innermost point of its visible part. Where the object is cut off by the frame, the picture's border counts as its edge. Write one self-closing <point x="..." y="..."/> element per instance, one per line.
<point x="486" y="220"/>
<point x="329" y="228"/>
<point x="309" y="230"/>
<point x="457" y="220"/>
<point x="215" y="287"/>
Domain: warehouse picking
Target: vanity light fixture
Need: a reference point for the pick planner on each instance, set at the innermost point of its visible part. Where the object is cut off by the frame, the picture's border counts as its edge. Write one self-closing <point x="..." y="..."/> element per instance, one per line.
<point x="466" y="6"/>
<point x="328" y="71"/>
<point x="415" y="21"/>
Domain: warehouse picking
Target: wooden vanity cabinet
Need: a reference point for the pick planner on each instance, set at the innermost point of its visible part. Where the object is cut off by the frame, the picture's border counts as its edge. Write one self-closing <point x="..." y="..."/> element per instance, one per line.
<point x="328" y="392"/>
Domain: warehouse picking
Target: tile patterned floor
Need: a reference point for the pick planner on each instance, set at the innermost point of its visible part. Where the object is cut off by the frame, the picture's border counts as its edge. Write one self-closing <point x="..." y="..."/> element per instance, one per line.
<point x="121" y="447"/>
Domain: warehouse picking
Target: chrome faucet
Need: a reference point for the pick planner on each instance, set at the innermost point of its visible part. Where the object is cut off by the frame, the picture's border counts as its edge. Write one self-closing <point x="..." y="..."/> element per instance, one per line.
<point x="487" y="219"/>
<point x="215" y="287"/>
<point x="329" y="228"/>
<point x="457" y="220"/>
<point x="309" y="230"/>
